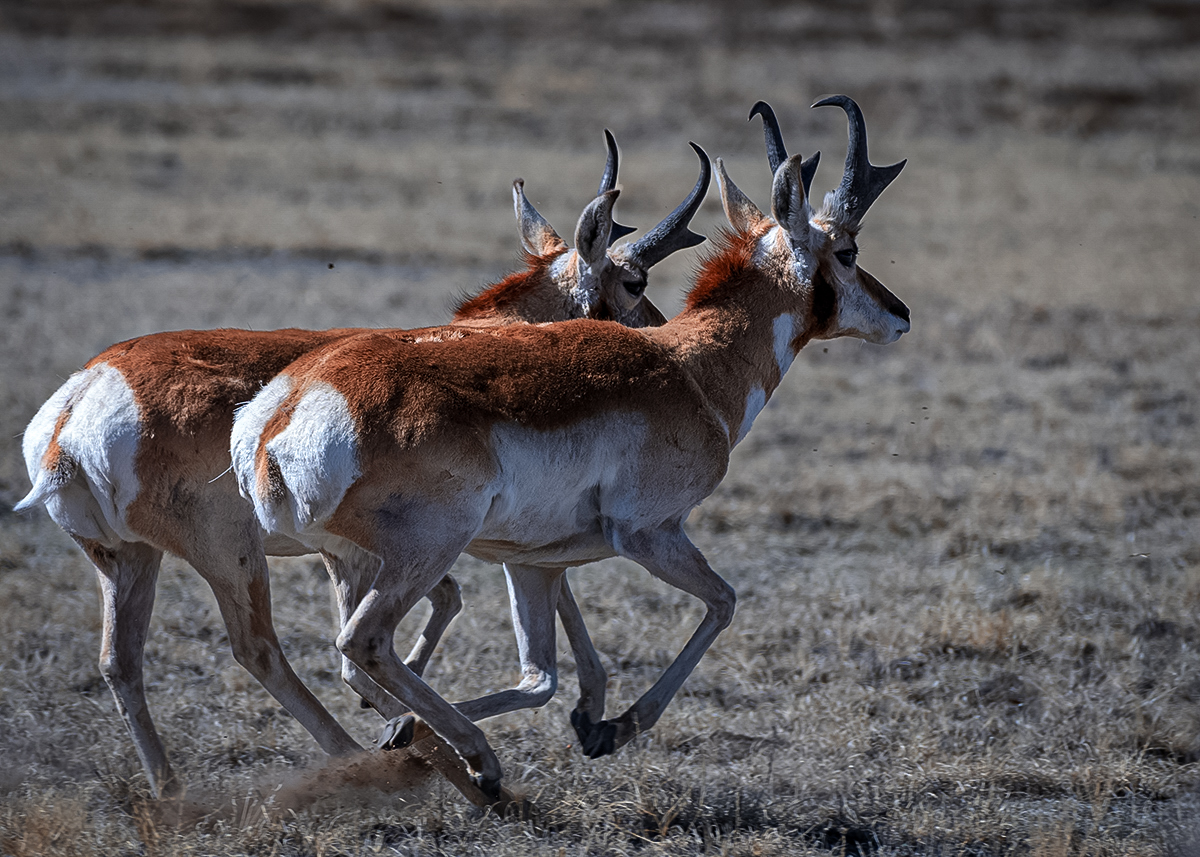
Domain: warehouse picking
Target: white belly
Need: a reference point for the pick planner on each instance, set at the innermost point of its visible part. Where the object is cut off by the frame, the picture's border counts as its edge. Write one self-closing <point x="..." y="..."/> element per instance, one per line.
<point x="556" y="489"/>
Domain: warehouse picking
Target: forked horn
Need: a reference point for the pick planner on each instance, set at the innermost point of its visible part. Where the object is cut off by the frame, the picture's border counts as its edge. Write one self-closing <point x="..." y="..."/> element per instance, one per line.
<point x="608" y="182"/>
<point x="776" y="152"/>
<point x="862" y="182"/>
<point x="672" y="233"/>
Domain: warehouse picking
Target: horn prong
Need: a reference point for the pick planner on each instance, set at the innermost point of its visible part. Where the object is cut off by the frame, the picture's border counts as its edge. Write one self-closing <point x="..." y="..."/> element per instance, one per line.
<point x="862" y="182"/>
<point x="808" y="170"/>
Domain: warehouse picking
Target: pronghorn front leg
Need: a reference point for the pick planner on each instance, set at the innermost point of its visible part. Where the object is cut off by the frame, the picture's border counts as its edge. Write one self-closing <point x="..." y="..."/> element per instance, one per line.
<point x="666" y="553"/>
<point x="533" y="594"/>
<point x="446" y="600"/>
<point x="593" y="680"/>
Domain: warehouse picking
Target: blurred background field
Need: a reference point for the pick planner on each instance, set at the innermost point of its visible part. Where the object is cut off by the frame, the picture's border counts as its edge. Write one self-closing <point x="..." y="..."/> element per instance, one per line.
<point x="968" y="563"/>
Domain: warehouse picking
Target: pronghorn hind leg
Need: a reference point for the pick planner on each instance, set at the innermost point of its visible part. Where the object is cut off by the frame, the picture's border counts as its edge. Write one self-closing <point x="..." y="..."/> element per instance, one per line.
<point x="446" y="600"/>
<point x="127" y="575"/>
<point x="667" y="554"/>
<point x="416" y="552"/>
<point x="229" y="556"/>
<point x="352" y="576"/>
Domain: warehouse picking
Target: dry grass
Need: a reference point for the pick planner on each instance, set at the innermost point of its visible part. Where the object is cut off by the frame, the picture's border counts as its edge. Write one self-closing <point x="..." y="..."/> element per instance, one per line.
<point x="967" y="564"/>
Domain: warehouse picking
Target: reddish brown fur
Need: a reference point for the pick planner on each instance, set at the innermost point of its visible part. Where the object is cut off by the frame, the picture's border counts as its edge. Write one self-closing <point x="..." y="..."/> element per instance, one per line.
<point x="187" y="385"/>
<point x="538" y="376"/>
<point x="53" y="459"/>
<point x="729" y="260"/>
<point x="504" y="299"/>
<point x="403" y="393"/>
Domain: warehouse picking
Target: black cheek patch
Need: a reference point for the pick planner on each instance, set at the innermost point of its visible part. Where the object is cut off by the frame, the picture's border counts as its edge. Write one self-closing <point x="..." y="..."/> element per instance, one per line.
<point x="824" y="304"/>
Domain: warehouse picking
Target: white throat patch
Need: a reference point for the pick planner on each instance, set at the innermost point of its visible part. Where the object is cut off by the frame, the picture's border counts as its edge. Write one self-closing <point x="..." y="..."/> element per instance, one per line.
<point x="785" y="332"/>
<point x="755" y="402"/>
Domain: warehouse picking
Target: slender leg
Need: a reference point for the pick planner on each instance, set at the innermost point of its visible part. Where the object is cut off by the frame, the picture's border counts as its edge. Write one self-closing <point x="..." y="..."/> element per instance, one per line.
<point x="412" y="563"/>
<point x="233" y="564"/>
<point x="446" y="599"/>
<point x="593" y="681"/>
<point x="666" y="553"/>
<point x="127" y="574"/>
<point x="533" y="594"/>
<point x="352" y="575"/>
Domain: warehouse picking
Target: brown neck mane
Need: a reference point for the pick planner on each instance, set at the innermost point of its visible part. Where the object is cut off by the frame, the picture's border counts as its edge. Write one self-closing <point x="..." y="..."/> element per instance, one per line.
<point x="724" y="270"/>
<point x="505" y="297"/>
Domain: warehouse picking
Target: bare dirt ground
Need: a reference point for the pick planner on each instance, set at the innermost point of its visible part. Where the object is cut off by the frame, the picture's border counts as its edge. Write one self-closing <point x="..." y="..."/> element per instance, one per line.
<point x="968" y="564"/>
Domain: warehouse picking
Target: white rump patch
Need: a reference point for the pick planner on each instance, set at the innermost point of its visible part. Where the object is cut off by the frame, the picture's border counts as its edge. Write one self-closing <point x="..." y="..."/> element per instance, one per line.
<point x="101" y="437"/>
<point x="317" y="456"/>
<point x="40" y="430"/>
<point x="248" y="424"/>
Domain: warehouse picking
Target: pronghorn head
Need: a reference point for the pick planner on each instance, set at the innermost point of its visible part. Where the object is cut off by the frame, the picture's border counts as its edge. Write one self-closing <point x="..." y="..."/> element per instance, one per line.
<point x="818" y="248"/>
<point x="600" y="280"/>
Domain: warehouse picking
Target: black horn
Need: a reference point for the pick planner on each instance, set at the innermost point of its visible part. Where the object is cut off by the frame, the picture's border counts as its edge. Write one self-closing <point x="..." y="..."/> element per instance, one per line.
<point x="862" y="182"/>
<point x="608" y="182"/>
<point x="776" y="152"/>
<point x="672" y="233"/>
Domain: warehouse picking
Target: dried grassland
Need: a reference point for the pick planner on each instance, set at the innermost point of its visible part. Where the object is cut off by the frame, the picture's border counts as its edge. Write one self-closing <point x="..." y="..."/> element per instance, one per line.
<point x="967" y="564"/>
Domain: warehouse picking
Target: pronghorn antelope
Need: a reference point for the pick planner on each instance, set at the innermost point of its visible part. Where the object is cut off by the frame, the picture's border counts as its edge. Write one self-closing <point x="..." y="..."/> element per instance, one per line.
<point x="558" y="445"/>
<point x="130" y="457"/>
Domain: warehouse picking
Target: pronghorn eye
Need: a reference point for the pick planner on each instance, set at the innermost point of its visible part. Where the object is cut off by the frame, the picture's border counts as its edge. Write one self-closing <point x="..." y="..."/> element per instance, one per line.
<point x="847" y="257"/>
<point x="635" y="287"/>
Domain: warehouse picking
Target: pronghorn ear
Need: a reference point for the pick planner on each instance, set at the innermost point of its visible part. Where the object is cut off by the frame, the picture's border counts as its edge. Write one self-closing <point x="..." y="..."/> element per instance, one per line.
<point x="594" y="227"/>
<point x="743" y="214"/>
<point x="787" y="195"/>
<point x="537" y="236"/>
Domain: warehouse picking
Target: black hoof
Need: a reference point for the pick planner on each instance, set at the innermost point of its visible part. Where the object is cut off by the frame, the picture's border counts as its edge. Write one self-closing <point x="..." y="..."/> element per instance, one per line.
<point x="595" y="739"/>
<point x="582" y="724"/>
<point x="397" y="733"/>
<point x="490" y="787"/>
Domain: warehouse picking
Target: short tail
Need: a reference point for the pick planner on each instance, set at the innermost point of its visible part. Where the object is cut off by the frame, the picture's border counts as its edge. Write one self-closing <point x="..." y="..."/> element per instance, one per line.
<point x="48" y="482"/>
